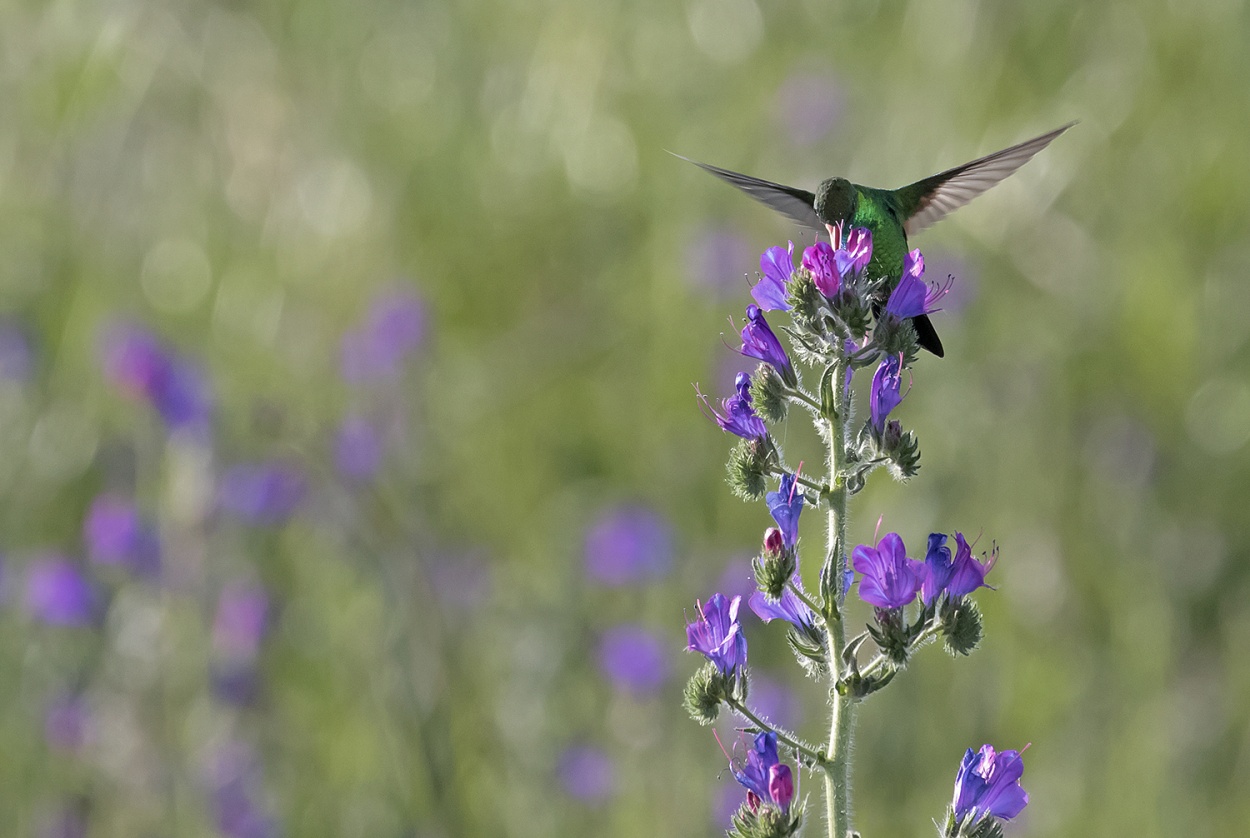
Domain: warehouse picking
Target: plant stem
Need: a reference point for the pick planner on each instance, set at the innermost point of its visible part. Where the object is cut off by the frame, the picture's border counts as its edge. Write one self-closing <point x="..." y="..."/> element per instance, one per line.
<point x="807" y="750"/>
<point x="842" y="716"/>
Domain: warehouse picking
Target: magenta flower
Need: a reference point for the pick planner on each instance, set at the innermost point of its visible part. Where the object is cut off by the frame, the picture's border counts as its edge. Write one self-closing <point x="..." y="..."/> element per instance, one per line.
<point x="820" y="260"/>
<point x="885" y="394"/>
<point x="889" y="579"/>
<point x="393" y="329"/>
<point x="765" y="777"/>
<point x="776" y="265"/>
<point x="857" y="252"/>
<point x="262" y="493"/>
<point x="358" y="449"/>
<point x="138" y="364"/>
<point x="739" y="415"/>
<point x="115" y="534"/>
<point x="717" y="634"/>
<point x="988" y="783"/>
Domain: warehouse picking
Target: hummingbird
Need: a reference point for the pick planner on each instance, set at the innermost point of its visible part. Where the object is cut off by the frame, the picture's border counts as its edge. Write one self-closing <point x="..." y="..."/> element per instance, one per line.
<point x="890" y="214"/>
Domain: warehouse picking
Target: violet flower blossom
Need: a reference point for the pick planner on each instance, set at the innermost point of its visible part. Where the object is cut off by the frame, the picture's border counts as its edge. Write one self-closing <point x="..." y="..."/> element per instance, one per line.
<point x="766" y="778"/>
<point x="717" y="634"/>
<point x="758" y="341"/>
<point x="776" y="265"/>
<point x="988" y="783"/>
<point x="889" y="579"/>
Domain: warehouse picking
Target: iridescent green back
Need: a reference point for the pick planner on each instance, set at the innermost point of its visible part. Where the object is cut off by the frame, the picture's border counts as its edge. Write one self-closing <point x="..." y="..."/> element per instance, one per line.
<point x="878" y="211"/>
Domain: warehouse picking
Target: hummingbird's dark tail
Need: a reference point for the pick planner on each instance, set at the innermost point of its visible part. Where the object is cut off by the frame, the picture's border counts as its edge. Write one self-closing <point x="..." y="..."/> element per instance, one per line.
<point x="927" y="336"/>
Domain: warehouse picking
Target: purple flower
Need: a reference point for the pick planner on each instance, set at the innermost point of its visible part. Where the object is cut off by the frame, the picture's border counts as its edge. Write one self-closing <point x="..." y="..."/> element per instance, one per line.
<point x="820" y="260"/>
<point x="765" y="777"/>
<point x="889" y="578"/>
<point x="789" y="608"/>
<point x="241" y="620"/>
<point x="988" y="783"/>
<point x="739" y="416"/>
<point x="141" y="366"/>
<point x="628" y="544"/>
<point x="235" y="790"/>
<point x="261" y="493"/>
<point x="69" y="821"/>
<point x="393" y="329"/>
<point x="58" y="594"/>
<point x="967" y="573"/>
<point x="634" y="659"/>
<point x="857" y="252"/>
<point x="717" y="634"/>
<point x="937" y="562"/>
<point x="885" y="395"/>
<point x="15" y="353"/>
<point x="758" y="341"/>
<point x="587" y="773"/>
<point x="912" y="296"/>
<point x="66" y="724"/>
<point x="784" y="505"/>
<point x="358" y="449"/>
<point x="776" y="264"/>
<point x="115" y="534"/>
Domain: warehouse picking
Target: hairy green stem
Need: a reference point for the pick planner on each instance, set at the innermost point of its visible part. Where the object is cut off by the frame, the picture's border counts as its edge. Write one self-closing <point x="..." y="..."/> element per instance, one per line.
<point x="842" y="717"/>
<point x="782" y="736"/>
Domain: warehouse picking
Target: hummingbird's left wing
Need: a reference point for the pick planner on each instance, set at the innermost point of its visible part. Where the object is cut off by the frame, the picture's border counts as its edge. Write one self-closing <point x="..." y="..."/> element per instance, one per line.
<point x="929" y="200"/>
<point x="796" y="204"/>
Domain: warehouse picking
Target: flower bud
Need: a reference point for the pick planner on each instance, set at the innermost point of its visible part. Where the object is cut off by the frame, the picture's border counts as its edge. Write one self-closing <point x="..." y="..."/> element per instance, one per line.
<point x="704" y="692"/>
<point x="768" y="394"/>
<point x="903" y="449"/>
<point x="781" y="784"/>
<point x="961" y="626"/>
<point x="774" y="542"/>
<point x="749" y="463"/>
<point x="765" y="822"/>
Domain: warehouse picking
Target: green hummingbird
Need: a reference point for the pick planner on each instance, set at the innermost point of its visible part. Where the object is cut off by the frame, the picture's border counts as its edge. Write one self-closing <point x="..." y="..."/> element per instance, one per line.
<point x="890" y="214"/>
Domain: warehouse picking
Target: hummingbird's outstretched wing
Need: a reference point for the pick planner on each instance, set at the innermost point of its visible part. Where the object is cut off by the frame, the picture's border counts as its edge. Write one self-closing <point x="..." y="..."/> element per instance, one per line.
<point x="797" y="204"/>
<point x="929" y="200"/>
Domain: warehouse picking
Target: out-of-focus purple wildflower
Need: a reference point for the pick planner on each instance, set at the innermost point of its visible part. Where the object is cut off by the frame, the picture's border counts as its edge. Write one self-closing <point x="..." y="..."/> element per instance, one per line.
<point x="758" y="341"/>
<point x="886" y="392"/>
<point x="241" y="620"/>
<point x="912" y="296"/>
<point x="393" y="329"/>
<point x="773" y="701"/>
<point x="765" y="777"/>
<point x="58" y="593"/>
<point x="785" y="505"/>
<point x="819" y="260"/>
<point x="235" y="682"/>
<point x="776" y="265"/>
<point x="739" y="416"/>
<point x="737" y="579"/>
<point x="634" y="659"/>
<point x="66" y="723"/>
<point x="587" y="773"/>
<point x="115" y="534"/>
<point x="789" y="608"/>
<point x="937" y="564"/>
<point x="967" y="572"/>
<point x="716" y="258"/>
<point x="358" y="449"/>
<point x="809" y="104"/>
<point x="717" y="634"/>
<point x="235" y="794"/>
<point x="988" y="783"/>
<point x="261" y="493"/>
<point x="67" y="822"/>
<point x="15" y="352"/>
<point x="138" y="364"/>
<point x="629" y="543"/>
<point x="889" y="579"/>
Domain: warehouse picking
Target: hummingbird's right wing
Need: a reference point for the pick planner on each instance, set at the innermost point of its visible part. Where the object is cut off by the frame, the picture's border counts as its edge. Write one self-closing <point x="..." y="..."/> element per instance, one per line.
<point x="929" y="200"/>
<point x="796" y="204"/>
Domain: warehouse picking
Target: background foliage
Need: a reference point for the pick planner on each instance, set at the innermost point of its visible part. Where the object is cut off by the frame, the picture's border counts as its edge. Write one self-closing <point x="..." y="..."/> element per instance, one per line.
<point x="455" y="226"/>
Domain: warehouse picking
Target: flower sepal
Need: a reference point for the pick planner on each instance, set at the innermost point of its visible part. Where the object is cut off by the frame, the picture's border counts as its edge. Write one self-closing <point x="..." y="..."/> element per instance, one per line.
<point x="970" y="826"/>
<point x="708" y="688"/>
<point x="749" y="464"/>
<point x="764" y="821"/>
<point x="960" y="622"/>
<point x="768" y="394"/>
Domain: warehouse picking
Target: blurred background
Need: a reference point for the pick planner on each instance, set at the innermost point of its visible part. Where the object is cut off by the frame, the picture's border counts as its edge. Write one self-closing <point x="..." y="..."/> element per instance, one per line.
<point x="353" y="478"/>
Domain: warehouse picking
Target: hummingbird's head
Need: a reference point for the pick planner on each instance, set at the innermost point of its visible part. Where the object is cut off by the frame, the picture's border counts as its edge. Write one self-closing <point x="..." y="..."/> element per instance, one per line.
<point x="835" y="200"/>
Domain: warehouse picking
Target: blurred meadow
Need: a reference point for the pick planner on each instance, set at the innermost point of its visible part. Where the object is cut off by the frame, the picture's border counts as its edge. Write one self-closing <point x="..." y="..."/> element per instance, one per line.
<point x="353" y="478"/>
